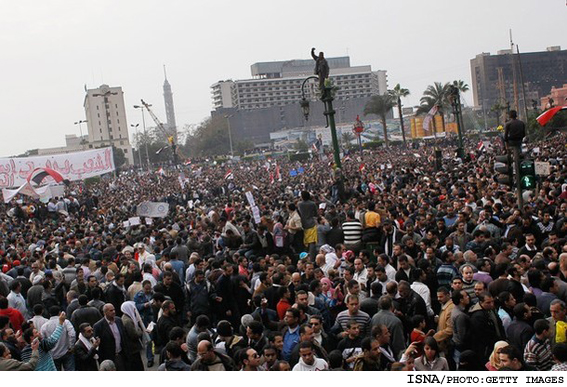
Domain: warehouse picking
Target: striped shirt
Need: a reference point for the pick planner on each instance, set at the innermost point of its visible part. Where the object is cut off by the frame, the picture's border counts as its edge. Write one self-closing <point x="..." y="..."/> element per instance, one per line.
<point x="45" y="362"/>
<point x="538" y="354"/>
<point x="362" y="318"/>
<point x="352" y="232"/>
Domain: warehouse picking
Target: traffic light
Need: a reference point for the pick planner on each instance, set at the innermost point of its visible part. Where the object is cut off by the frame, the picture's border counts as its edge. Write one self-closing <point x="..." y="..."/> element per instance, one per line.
<point x="503" y="166"/>
<point x="527" y="174"/>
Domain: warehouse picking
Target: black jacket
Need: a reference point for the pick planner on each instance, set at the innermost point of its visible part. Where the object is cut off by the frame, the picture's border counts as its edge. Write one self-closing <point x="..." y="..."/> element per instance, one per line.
<point x="85" y="314"/>
<point x="84" y="359"/>
<point x="116" y="297"/>
<point x="225" y="360"/>
<point x="486" y="330"/>
<point x="107" y="348"/>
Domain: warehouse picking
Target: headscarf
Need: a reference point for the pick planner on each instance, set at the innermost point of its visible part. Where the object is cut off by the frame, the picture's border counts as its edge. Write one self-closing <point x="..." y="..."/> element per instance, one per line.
<point x="494" y="358"/>
<point x="331" y="292"/>
<point x="129" y="309"/>
<point x="326" y="249"/>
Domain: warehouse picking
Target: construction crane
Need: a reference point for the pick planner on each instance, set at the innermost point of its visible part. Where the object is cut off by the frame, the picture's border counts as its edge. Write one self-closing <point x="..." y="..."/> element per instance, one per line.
<point x="171" y="137"/>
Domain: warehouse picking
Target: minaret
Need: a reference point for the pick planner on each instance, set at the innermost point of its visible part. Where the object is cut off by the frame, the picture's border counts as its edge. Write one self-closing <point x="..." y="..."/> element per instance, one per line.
<point x="169" y="110"/>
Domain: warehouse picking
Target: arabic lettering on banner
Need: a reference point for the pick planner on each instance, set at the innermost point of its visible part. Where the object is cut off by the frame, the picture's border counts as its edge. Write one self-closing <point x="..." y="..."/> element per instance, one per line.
<point x="72" y="166"/>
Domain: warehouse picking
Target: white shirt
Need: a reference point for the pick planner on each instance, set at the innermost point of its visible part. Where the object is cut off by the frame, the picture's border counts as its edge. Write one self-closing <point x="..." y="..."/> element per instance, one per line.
<point x="17" y="301"/>
<point x="67" y="339"/>
<point x="425" y="293"/>
<point x="390" y="272"/>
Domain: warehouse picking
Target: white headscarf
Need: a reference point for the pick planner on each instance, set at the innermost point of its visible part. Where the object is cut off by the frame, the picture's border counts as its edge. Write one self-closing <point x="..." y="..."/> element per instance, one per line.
<point x="129" y="309"/>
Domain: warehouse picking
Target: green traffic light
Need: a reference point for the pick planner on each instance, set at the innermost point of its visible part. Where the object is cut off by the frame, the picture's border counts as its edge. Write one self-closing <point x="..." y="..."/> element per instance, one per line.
<point x="528" y="182"/>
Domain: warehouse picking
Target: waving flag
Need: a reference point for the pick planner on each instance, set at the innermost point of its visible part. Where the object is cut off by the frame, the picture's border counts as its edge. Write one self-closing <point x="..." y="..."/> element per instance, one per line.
<point x="547" y="115"/>
<point x="429" y="117"/>
<point x="278" y="175"/>
<point x="480" y="146"/>
<point x="161" y="172"/>
<point x="229" y="175"/>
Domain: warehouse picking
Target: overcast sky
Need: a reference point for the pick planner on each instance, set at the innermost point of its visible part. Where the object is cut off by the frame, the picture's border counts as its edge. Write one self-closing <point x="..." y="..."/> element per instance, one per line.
<point x="50" y="49"/>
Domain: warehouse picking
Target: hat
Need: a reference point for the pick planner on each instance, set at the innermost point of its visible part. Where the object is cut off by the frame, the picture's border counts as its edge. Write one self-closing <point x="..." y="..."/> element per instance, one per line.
<point x="16" y="263"/>
<point x="303" y="255"/>
<point x="5" y="268"/>
<point x="48" y="273"/>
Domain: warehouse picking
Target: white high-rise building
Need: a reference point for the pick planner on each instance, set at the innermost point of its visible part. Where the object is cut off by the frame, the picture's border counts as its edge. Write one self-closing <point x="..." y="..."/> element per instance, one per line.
<point x="106" y="119"/>
<point x="279" y="84"/>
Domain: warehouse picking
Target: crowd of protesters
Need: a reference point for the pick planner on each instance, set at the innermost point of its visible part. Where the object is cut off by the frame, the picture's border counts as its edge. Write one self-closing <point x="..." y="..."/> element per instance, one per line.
<point x="390" y="263"/>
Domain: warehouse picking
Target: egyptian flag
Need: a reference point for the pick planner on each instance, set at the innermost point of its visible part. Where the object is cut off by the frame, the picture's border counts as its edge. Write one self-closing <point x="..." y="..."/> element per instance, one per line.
<point x="271" y="178"/>
<point x="480" y="146"/>
<point x="229" y="175"/>
<point x="547" y="115"/>
<point x="188" y="162"/>
<point x="278" y="175"/>
<point x="362" y="167"/>
<point x="161" y="172"/>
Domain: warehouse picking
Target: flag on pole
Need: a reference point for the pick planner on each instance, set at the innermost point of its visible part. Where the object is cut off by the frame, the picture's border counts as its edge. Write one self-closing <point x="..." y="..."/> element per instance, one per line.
<point x="229" y="175"/>
<point x="429" y="117"/>
<point x="480" y="146"/>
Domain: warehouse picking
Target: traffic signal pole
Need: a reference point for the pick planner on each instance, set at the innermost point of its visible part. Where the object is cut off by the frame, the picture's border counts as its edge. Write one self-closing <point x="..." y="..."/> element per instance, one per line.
<point x="516" y="154"/>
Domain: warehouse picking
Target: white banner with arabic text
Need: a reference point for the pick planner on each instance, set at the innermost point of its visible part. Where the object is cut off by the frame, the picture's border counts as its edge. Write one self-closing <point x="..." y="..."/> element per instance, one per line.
<point x="72" y="166"/>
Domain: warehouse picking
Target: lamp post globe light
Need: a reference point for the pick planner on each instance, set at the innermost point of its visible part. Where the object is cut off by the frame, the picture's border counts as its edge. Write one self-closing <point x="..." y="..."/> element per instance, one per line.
<point x="141" y="107"/>
<point x="81" y="131"/>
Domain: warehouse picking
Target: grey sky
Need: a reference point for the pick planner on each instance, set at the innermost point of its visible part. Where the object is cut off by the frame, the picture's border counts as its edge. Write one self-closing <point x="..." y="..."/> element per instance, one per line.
<point x="51" y="49"/>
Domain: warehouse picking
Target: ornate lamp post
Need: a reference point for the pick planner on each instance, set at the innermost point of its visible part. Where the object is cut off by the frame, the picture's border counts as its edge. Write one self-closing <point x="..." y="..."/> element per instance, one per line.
<point x="455" y="97"/>
<point x="327" y="98"/>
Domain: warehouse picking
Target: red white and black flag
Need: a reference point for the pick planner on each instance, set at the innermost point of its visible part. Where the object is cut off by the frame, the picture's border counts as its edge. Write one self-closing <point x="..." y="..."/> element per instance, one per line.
<point x="229" y="175"/>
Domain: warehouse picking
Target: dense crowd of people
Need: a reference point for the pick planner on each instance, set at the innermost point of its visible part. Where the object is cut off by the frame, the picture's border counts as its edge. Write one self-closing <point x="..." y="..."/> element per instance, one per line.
<point x="390" y="263"/>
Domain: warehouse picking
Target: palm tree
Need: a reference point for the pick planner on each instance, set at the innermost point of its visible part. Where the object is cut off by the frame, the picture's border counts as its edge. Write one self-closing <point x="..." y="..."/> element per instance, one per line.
<point x="380" y="105"/>
<point x="461" y="85"/>
<point x="347" y="138"/>
<point x="435" y="95"/>
<point x="397" y="93"/>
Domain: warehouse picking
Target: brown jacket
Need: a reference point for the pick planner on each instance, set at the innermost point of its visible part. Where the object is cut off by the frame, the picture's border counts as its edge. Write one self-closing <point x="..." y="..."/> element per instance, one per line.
<point x="445" y="326"/>
<point x="15" y="365"/>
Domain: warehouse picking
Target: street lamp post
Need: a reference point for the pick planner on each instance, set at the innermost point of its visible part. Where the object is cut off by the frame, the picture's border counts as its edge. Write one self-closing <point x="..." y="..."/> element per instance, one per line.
<point x="138" y="138"/>
<point x="327" y="98"/>
<point x="145" y="133"/>
<point x="229" y="133"/>
<point x="456" y="103"/>
<point x="81" y="131"/>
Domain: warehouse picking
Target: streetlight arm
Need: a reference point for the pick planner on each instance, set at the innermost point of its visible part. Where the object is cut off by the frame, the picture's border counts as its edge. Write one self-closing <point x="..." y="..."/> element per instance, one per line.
<point x="303" y="84"/>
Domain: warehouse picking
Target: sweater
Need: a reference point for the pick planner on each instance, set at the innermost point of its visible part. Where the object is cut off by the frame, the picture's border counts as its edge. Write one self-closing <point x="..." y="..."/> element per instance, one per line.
<point x="318" y="365"/>
<point x="15" y="365"/>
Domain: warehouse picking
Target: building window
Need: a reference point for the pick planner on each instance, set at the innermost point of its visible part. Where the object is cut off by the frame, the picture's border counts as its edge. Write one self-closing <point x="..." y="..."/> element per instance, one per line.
<point x="121" y="142"/>
<point x="96" y="107"/>
<point x="116" y="106"/>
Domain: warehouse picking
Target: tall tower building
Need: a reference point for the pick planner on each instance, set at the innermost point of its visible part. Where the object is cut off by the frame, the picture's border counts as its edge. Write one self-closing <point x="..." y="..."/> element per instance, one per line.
<point x="106" y="119"/>
<point x="169" y="109"/>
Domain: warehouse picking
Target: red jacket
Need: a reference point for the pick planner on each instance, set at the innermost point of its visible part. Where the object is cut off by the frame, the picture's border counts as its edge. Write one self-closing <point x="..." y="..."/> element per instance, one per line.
<point x="16" y="318"/>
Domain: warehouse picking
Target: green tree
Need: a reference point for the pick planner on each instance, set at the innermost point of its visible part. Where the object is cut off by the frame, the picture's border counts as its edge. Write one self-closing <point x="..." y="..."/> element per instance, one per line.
<point x="380" y="105"/>
<point x="397" y="93"/>
<point x="346" y="138"/>
<point x="435" y="95"/>
<point x="119" y="157"/>
<point x="461" y="85"/>
<point x="301" y="145"/>
<point x="209" y="138"/>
